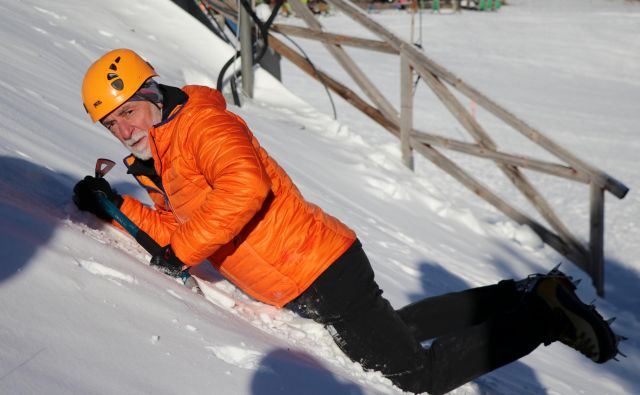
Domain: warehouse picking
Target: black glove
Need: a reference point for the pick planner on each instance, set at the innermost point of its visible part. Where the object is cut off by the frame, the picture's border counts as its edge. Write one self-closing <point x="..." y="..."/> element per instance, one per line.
<point x="84" y="196"/>
<point x="167" y="261"/>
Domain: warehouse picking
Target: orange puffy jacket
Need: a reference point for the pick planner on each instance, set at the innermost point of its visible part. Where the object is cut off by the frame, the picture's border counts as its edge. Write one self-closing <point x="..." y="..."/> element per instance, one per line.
<point x="226" y="200"/>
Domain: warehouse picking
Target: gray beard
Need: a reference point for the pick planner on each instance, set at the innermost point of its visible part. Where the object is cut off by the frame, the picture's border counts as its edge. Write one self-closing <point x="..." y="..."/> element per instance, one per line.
<point x="142" y="155"/>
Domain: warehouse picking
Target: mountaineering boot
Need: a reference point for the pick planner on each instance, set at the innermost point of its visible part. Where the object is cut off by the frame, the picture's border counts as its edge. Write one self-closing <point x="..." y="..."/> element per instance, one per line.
<point x="578" y="325"/>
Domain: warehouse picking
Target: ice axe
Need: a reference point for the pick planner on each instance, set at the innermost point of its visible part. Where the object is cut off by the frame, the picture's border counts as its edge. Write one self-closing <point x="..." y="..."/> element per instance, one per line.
<point x="102" y="168"/>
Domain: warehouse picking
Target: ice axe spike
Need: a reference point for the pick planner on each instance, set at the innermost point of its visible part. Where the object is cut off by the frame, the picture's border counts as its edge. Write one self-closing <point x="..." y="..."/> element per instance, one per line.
<point x="103" y="166"/>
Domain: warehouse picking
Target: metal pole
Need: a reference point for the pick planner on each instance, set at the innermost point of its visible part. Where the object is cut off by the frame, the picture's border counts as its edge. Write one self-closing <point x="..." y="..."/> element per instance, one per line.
<point x="246" y="52"/>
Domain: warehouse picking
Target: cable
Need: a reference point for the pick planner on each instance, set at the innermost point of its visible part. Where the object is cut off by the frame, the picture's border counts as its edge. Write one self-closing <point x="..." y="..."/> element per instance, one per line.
<point x="264" y="30"/>
<point x="262" y="27"/>
<point x="234" y="92"/>
<point x="324" y="84"/>
<point x="264" y="33"/>
<point x="206" y="10"/>
<point x="209" y="11"/>
<point x="419" y="43"/>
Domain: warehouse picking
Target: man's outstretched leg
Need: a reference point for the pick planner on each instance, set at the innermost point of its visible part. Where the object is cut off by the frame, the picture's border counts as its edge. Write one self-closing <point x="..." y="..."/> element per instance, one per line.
<point x="463" y="355"/>
<point x="549" y="310"/>
<point x="347" y="300"/>
<point x="438" y="315"/>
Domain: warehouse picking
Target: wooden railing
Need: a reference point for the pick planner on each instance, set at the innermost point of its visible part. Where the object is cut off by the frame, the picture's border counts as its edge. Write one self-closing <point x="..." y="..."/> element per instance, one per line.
<point x="588" y="257"/>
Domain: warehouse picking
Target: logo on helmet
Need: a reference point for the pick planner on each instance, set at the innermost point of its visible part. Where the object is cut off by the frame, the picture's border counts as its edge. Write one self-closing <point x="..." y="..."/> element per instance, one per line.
<point x="118" y="84"/>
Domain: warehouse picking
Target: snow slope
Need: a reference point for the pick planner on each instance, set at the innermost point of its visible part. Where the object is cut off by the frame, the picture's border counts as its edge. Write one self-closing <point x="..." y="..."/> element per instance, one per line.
<point x="83" y="313"/>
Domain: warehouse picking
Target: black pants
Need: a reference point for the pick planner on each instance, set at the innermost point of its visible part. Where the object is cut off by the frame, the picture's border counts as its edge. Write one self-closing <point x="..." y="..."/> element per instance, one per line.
<point x="474" y="331"/>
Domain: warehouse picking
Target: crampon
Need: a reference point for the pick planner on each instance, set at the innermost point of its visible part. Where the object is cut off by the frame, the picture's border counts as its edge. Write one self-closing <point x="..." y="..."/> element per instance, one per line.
<point x="580" y="326"/>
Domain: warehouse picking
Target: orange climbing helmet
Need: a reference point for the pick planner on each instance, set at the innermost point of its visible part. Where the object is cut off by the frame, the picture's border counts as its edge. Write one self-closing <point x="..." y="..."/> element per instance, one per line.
<point x="112" y="80"/>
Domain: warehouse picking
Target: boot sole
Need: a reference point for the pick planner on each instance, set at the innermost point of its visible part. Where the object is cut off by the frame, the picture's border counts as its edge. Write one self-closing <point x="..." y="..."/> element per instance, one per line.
<point x="586" y="320"/>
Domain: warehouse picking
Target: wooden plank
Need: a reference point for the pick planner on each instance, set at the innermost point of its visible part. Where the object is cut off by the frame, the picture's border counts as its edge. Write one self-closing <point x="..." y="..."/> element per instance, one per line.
<point x="406" y="111"/>
<point x="509" y="159"/>
<point x="419" y="58"/>
<point x="349" y="65"/>
<point x="337" y="39"/>
<point x="453" y="105"/>
<point x="596" y="238"/>
<point x="614" y="186"/>
<point x="484" y="140"/>
<point x="479" y="189"/>
<point x="344" y="92"/>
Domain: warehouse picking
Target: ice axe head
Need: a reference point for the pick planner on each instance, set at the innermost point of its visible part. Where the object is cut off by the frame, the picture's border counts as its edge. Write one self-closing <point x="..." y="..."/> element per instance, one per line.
<point x="103" y="166"/>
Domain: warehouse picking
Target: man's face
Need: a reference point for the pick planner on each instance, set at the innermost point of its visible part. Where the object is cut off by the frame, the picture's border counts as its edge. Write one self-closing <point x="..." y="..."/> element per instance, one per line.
<point x="130" y="123"/>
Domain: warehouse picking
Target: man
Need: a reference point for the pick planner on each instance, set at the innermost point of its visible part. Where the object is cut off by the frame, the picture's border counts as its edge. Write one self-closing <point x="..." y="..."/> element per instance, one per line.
<point x="219" y="196"/>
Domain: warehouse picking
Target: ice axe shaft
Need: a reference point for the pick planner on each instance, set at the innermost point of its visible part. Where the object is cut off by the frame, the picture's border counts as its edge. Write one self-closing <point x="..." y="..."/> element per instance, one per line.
<point x="141" y="237"/>
<point x="102" y="167"/>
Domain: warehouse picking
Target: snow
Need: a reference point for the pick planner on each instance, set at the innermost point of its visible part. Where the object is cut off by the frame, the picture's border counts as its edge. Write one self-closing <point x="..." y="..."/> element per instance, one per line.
<point x="83" y="313"/>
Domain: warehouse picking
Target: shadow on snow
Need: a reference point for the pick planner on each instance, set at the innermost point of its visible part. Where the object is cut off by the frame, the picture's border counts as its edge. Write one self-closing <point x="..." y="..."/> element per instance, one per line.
<point x="436" y="280"/>
<point x="620" y="280"/>
<point x="32" y="201"/>
<point x="293" y="372"/>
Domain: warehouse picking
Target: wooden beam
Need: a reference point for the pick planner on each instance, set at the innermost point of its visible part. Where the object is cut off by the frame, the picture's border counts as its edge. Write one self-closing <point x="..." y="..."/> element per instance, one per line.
<point x="348" y="64"/>
<point x="614" y="186"/>
<point x="419" y="58"/>
<point x="337" y="39"/>
<point x="514" y="160"/>
<point x="518" y="179"/>
<point x="344" y="92"/>
<point x="479" y="189"/>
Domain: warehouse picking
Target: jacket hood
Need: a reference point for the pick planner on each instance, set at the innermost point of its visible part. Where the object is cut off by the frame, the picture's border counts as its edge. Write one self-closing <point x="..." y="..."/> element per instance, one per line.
<point x="189" y="95"/>
<point x="203" y="95"/>
<point x="191" y="98"/>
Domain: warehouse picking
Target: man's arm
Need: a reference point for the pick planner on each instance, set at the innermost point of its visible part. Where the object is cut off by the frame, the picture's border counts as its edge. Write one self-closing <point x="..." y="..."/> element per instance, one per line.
<point x="157" y="223"/>
<point x="224" y="154"/>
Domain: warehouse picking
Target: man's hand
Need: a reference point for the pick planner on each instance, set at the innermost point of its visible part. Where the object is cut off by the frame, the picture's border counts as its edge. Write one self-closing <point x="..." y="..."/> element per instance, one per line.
<point x="167" y="261"/>
<point x="84" y="196"/>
